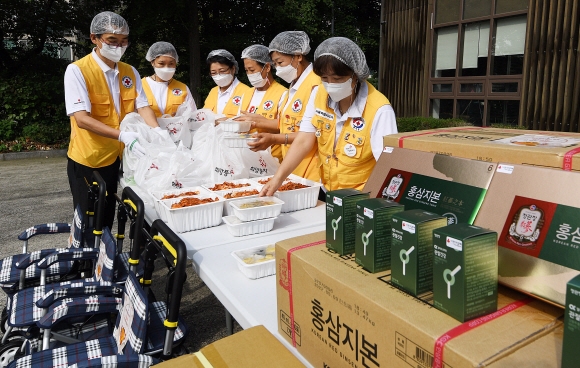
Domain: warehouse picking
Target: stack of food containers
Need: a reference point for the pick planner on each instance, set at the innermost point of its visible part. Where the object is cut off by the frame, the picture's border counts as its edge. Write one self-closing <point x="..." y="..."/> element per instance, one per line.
<point x="253" y="215"/>
<point x="233" y="138"/>
<point x="296" y="192"/>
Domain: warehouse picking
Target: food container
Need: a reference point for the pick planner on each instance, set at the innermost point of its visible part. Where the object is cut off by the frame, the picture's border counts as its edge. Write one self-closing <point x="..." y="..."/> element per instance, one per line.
<point x="208" y="186"/>
<point x="228" y="210"/>
<point x="297" y="199"/>
<point x="157" y="195"/>
<point x="239" y="140"/>
<point x="237" y="227"/>
<point x="245" y="209"/>
<point x="234" y="126"/>
<point x="193" y="217"/>
<point x="264" y="258"/>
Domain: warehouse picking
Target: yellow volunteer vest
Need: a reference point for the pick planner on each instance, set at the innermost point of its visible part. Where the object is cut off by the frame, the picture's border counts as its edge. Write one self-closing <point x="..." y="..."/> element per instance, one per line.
<point x="290" y="120"/>
<point x="268" y="108"/>
<point x="88" y="148"/>
<point x="350" y="163"/>
<point x="176" y="93"/>
<point x="235" y="103"/>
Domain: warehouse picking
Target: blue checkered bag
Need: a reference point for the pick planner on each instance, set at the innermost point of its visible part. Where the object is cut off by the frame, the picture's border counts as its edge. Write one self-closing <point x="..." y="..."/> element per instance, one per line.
<point x="23" y="309"/>
<point x="123" y="349"/>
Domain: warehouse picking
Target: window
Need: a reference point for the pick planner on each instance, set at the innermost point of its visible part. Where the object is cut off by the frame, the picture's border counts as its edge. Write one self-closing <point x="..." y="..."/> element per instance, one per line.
<point x="477" y="60"/>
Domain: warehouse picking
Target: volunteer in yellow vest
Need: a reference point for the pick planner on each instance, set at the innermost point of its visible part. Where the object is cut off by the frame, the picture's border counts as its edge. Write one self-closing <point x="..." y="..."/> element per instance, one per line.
<point x="99" y="92"/>
<point x="164" y="93"/>
<point x="346" y="118"/>
<point x="226" y="97"/>
<point x="266" y="96"/>
<point x="288" y="51"/>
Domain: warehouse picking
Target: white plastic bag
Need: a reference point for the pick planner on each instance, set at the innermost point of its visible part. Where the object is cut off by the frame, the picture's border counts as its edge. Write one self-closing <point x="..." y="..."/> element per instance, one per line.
<point x="200" y="117"/>
<point x="152" y="142"/>
<point x="260" y="163"/>
<point x="178" y="128"/>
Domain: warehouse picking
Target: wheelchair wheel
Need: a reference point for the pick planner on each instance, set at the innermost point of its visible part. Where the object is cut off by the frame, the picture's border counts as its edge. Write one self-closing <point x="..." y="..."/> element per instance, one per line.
<point x="4" y="320"/>
<point x="10" y="351"/>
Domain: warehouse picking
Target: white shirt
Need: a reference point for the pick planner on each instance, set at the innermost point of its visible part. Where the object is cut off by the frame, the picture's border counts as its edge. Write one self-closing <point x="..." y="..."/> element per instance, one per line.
<point x="294" y="86"/>
<point x="76" y="95"/>
<point x="159" y="90"/>
<point x="224" y="97"/>
<point x="384" y="122"/>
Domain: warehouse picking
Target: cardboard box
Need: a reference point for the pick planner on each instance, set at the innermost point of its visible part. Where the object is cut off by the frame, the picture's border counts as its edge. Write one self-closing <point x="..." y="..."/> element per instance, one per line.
<point x="465" y="271"/>
<point x="373" y="233"/>
<point x="341" y="219"/>
<point x="449" y="186"/>
<point x="536" y="212"/>
<point x="254" y="347"/>
<point x="570" y="352"/>
<point x="343" y="316"/>
<point x="412" y="250"/>
<point x="532" y="147"/>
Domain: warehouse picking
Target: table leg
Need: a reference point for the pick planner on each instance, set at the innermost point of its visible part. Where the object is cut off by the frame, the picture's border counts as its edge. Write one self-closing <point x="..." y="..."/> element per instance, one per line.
<point x="229" y="323"/>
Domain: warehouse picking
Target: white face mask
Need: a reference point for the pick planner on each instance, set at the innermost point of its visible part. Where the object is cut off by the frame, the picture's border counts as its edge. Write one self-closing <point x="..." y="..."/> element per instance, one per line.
<point x="165" y="73"/>
<point x="338" y="91"/>
<point x="288" y="73"/>
<point x="112" y="53"/>
<point x="223" y="80"/>
<point x="256" y="79"/>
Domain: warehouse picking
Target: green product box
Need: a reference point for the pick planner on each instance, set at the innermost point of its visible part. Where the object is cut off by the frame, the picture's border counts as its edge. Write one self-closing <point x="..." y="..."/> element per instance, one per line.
<point x="570" y="351"/>
<point x="373" y="233"/>
<point x="341" y="219"/>
<point x="412" y="249"/>
<point x="465" y="265"/>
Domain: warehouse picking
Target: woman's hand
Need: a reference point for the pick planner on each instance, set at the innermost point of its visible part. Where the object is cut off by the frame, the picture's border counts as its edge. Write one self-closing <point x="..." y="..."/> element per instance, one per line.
<point x="246" y="116"/>
<point x="264" y="141"/>
<point x="218" y="121"/>
<point x="271" y="187"/>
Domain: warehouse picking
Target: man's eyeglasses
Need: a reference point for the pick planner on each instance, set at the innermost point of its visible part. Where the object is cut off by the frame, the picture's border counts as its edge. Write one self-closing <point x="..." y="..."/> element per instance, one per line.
<point x="221" y="71"/>
<point x="124" y="43"/>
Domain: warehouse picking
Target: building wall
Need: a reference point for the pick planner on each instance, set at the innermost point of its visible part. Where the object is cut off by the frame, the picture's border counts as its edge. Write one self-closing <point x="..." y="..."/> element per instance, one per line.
<point x="403" y="69"/>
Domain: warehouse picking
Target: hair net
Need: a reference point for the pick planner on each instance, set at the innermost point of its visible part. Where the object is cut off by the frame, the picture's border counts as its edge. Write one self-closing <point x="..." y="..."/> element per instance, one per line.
<point x="161" y="49"/>
<point x="109" y="22"/>
<point x="291" y="42"/>
<point x="347" y="52"/>
<point x="226" y="54"/>
<point x="260" y="53"/>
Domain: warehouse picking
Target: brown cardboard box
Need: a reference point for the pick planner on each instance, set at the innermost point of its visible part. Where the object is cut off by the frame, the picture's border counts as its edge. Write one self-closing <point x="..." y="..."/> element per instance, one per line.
<point x="449" y="186"/>
<point x="345" y="316"/>
<point x="254" y="347"/>
<point x="536" y="212"/>
<point x="530" y="147"/>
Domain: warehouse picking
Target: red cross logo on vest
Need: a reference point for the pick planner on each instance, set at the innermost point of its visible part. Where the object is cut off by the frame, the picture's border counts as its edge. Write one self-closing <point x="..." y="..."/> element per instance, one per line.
<point x="237" y="100"/>
<point x="297" y="105"/>
<point x="358" y="124"/>
<point x="252" y="109"/>
<point x="177" y="92"/>
<point x="127" y="82"/>
<point x="268" y="105"/>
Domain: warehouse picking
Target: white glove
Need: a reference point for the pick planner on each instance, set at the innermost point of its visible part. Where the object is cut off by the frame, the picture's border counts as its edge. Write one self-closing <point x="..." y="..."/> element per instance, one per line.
<point x="131" y="141"/>
<point x="162" y="132"/>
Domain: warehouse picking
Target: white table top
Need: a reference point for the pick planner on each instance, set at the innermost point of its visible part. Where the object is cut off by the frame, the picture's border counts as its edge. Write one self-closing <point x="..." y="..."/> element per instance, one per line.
<point x="288" y="224"/>
<point x="250" y="302"/>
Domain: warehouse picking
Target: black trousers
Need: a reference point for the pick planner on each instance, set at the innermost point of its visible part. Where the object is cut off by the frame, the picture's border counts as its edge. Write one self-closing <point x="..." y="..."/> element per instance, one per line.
<point x="78" y="177"/>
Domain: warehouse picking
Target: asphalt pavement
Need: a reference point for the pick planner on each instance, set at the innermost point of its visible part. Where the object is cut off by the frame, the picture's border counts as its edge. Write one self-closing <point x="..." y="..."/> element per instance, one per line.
<point x="36" y="190"/>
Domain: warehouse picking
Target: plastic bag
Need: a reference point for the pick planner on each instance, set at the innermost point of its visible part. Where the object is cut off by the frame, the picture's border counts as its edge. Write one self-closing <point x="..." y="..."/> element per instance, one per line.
<point x="153" y="143"/>
<point x="200" y="117"/>
<point x="178" y="128"/>
<point x="260" y="163"/>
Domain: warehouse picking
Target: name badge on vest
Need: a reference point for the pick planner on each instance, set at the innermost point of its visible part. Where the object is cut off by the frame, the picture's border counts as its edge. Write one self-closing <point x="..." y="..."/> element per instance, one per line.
<point x="350" y="150"/>
<point x="324" y="114"/>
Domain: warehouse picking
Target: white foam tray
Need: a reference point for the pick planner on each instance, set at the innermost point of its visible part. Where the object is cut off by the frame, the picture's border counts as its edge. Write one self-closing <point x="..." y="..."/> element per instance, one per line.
<point x="234" y="126"/>
<point x="229" y="210"/>
<point x="157" y="195"/>
<point x="194" y="217"/>
<point x="237" y="227"/>
<point x="257" y="213"/>
<point x="238" y="140"/>
<point x="299" y="199"/>
<point x="255" y="270"/>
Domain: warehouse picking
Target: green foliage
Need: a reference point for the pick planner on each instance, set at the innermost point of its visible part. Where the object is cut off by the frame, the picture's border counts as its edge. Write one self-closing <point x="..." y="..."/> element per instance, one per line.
<point x="509" y="126"/>
<point x="422" y="123"/>
<point x="32" y="103"/>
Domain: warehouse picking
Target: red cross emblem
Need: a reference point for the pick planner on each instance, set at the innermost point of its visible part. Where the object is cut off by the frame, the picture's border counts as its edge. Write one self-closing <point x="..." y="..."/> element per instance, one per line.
<point x="127" y="82"/>
<point x="297" y="105"/>
<point x="252" y="109"/>
<point x="268" y="105"/>
<point x="237" y="100"/>
<point x="177" y="92"/>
